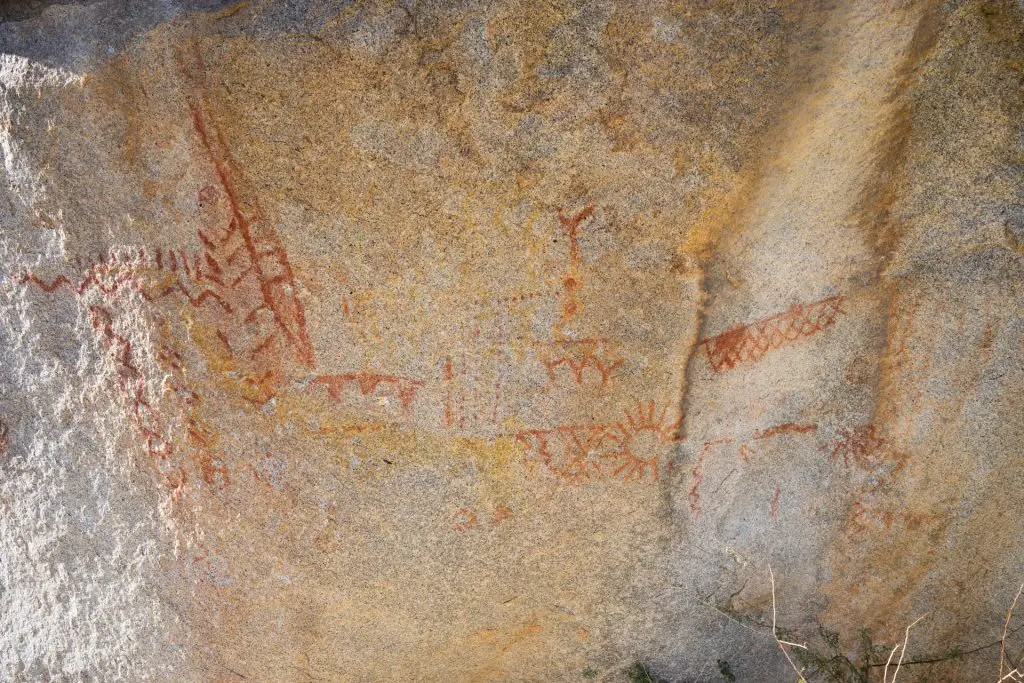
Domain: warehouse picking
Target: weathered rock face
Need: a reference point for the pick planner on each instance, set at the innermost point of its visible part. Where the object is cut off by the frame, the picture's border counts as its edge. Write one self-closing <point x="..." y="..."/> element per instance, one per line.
<point x="509" y="341"/>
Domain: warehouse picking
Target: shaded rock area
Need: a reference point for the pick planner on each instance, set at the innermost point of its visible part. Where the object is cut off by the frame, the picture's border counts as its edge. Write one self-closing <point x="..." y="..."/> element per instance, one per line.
<point x="511" y="341"/>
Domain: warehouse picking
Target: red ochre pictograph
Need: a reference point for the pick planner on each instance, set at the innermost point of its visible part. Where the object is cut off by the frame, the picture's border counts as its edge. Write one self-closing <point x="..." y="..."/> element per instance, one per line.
<point x="199" y="282"/>
<point x="633" y="449"/>
<point x="367" y="384"/>
<point x="241" y="280"/>
<point x="771" y="432"/>
<point x="191" y="277"/>
<point x="508" y="300"/>
<point x="202" y="440"/>
<point x="571" y="305"/>
<point x="156" y="275"/>
<point x="106" y="273"/>
<point x="242" y="276"/>
<point x="578" y="356"/>
<point x="861" y="448"/>
<point x="640" y="442"/>
<point x="750" y="343"/>
<point x="565" y="355"/>
<point x="784" y="428"/>
<point x="501" y="514"/>
<point x="569" y="452"/>
<point x="465" y="519"/>
<point x="744" y="452"/>
<point x="252" y="270"/>
<point x="449" y="395"/>
<point x="697" y="475"/>
<point x="131" y="382"/>
<point x="147" y="419"/>
<point x="468" y="518"/>
<point x="472" y="392"/>
<point x="860" y="444"/>
<point x="218" y="292"/>
<point x="199" y="439"/>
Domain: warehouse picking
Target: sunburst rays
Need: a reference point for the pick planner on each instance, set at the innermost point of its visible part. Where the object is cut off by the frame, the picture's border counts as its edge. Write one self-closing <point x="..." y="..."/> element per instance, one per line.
<point x="637" y="445"/>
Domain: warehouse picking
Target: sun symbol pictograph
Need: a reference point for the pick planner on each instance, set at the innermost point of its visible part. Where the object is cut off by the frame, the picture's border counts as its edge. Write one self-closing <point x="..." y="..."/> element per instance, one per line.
<point x="638" y="444"/>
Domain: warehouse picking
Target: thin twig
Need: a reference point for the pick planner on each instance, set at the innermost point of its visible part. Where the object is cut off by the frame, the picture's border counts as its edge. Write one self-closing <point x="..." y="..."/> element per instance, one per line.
<point x="799" y="673"/>
<point x="786" y="642"/>
<point x="1006" y="625"/>
<point x="903" y="651"/>
<point x="885" y="671"/>
<point x="959" y="653"/>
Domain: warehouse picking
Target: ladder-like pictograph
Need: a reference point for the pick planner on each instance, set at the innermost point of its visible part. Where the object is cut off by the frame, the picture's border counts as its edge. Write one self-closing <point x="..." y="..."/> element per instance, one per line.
<point x="246" y="266"/>
<point x="752" y="342"/>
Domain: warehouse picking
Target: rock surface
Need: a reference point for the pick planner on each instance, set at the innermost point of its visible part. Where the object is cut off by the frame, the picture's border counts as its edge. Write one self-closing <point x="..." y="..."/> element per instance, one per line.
<point x="465" y="341"/>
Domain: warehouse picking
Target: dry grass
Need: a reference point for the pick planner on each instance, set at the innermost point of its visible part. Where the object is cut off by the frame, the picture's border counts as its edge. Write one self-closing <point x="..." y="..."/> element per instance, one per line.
<point x="782" y="643"/>
<point x="903" y="650"/>
<point x="1014" y="675"/>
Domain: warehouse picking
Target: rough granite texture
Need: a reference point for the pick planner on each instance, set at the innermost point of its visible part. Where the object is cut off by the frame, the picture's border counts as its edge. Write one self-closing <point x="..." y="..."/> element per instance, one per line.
<point x="480" y="341"/>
